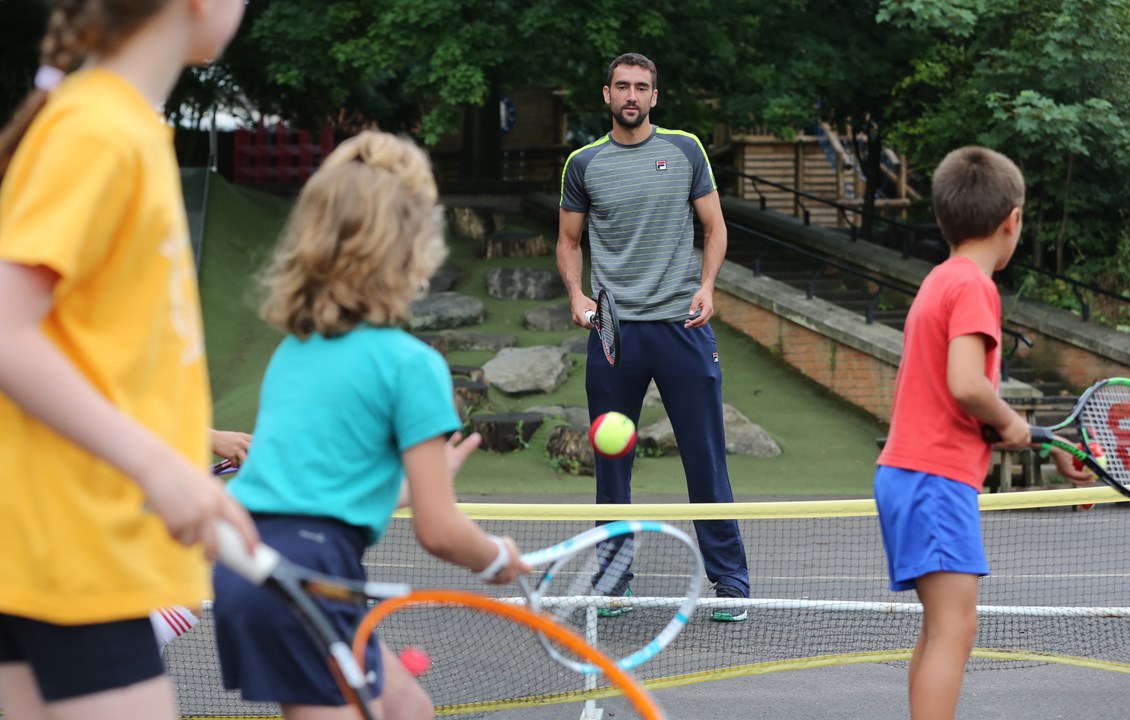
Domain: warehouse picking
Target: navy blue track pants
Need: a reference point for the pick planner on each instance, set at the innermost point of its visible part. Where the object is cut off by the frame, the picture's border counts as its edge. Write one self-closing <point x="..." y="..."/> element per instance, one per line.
<point x="684" y="364"/>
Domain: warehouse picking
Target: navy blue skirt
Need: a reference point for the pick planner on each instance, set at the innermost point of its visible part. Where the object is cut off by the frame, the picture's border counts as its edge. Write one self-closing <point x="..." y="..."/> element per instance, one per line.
<point x="265" y="651"/>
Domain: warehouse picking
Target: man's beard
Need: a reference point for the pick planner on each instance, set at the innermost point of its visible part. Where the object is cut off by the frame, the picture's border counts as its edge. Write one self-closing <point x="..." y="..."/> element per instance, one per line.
<point x="641" y="115"/>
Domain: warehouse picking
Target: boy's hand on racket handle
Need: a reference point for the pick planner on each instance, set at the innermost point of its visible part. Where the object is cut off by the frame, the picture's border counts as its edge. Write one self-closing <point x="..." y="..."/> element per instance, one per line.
<point x="189" y="501"/>
<point x="507" y="564"/>
<point x="1016" y="435"/>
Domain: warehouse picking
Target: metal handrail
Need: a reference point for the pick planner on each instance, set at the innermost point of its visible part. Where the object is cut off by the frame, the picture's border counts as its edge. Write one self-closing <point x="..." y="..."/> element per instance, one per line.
<point x="1077" y="286"/>
<point x="872" y="300"/>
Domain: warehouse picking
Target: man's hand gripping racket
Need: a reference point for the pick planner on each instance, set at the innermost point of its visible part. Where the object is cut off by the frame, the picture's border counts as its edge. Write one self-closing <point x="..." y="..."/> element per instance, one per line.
<point x="1101" y="418"/>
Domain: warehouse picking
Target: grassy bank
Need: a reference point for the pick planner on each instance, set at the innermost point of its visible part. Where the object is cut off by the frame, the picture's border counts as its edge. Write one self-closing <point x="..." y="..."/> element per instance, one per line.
<point x="828" y="446"/>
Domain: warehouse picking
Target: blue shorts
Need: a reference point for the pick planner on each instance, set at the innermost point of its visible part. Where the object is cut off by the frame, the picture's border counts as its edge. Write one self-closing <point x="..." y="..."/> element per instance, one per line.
<point x="265" y="651"/>
<point x="929" y="524"/>
<point x="71" y="661"/>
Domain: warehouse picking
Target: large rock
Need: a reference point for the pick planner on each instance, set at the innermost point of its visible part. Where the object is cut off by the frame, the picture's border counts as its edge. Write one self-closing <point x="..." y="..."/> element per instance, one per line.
<point x="576" y="344"/>
<point x="572" y="414"/>
<point x="464" y="340"/>
<point x="551" y="318"/>
<point x="743" y="437"/>
<point x="445" y="310"/>
<point x="517" y="371"/>
<point x="524" y="283"/>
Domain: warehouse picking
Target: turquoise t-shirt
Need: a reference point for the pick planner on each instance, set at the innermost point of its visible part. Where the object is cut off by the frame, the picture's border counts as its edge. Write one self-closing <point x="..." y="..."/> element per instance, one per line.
<point x="335" y="416"/>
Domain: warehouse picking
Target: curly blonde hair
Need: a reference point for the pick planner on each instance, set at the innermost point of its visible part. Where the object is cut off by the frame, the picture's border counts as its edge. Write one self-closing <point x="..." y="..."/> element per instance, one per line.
<point x="364" y="236"/>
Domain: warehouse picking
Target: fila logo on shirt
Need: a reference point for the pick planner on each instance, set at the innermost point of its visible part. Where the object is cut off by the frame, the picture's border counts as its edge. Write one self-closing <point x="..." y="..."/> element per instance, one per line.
<point x="660" y="164"/>
<point x="715" y="357"/>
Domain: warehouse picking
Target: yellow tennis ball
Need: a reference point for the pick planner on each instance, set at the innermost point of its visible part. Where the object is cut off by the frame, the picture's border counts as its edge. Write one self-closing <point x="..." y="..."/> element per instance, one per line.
<point x="613" y="435"/>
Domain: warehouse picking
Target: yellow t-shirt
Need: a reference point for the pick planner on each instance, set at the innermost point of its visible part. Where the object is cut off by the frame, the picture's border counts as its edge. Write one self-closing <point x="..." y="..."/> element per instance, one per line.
<point x="94" y="193"/>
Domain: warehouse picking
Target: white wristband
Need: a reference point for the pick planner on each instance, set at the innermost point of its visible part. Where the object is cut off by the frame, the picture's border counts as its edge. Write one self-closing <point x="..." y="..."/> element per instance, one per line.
<point x="501" y="560"/>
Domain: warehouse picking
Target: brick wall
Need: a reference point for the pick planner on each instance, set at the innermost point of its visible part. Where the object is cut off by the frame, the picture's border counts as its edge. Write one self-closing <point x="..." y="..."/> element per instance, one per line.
<point x="1078" y="366"/>
<point x="859" y="378"/>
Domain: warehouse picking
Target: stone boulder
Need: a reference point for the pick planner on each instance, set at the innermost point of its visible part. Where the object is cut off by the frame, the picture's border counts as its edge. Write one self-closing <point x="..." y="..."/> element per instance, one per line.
<point x="518" y="371"/>
<point x="524" y="283"/>
<point x="551" y="318"/>
<point x="743" y="437"/>
<point x="445" y="310"/>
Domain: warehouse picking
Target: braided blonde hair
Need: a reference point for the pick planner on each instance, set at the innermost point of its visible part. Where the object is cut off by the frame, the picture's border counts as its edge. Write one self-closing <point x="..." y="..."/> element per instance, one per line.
<point x="76" y="28"/>
<point x="364" y="236"/>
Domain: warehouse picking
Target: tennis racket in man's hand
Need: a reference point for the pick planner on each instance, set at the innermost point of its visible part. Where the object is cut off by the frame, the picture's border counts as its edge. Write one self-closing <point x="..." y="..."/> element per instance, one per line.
<point x="1101" y="417"/>
<point x="640" y="580"/>
<point x="298" y="586"/>
<point x="607" y="325"/>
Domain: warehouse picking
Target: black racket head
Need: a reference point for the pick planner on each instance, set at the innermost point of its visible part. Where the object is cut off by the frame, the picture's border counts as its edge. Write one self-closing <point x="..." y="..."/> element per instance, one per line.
<point x="1103" y="421"/>
<point x="608" y="326"/>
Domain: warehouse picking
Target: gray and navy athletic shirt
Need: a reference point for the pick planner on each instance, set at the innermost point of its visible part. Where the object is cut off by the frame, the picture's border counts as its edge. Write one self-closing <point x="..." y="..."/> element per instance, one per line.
<point x="640" y="219"/>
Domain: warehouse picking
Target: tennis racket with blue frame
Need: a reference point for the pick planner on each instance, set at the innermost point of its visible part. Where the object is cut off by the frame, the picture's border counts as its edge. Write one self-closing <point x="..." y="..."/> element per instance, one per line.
<point x="639" y="580"/>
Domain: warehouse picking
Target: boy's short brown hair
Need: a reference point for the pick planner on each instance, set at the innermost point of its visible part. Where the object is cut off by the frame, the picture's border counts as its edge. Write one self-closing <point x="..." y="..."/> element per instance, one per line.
<point x="637" y="60"/>
<point x="974" y="190"/>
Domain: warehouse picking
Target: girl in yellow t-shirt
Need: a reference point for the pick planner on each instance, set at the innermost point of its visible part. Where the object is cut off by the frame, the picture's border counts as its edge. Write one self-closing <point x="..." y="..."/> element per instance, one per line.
<point x="106" y="509"/>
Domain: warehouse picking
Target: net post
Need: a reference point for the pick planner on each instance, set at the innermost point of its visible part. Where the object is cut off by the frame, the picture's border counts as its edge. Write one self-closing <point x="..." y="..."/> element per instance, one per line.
<point x="591" y="711"/>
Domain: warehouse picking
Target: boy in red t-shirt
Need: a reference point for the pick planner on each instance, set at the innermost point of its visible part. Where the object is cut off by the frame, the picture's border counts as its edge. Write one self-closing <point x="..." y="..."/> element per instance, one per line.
<point x="934" y="462"/>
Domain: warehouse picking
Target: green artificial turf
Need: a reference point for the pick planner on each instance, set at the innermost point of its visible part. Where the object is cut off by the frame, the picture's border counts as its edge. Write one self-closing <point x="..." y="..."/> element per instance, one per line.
<point x="828" y="445"/>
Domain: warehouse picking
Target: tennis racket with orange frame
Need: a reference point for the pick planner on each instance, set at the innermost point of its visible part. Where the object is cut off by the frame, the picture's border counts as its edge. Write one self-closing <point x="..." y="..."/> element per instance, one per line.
<point x="548" y="630"/>
<point x="299" y="586"/>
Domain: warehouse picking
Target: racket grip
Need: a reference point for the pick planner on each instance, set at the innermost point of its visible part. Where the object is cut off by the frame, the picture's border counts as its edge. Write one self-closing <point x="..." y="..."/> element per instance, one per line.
<point x="590" y="316"/>
<point x="257" y="566"/>
<point x="1039" y="434"/>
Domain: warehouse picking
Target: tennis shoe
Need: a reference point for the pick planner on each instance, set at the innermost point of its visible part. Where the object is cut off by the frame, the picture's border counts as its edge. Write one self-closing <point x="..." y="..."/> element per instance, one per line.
<point x="722" y="613"/>
<point x="613" y="610"/>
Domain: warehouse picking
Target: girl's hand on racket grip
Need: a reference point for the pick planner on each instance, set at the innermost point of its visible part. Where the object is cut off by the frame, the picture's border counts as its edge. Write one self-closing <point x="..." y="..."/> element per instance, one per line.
<point x="190" y="501"/>
<point x="507" y="564"/>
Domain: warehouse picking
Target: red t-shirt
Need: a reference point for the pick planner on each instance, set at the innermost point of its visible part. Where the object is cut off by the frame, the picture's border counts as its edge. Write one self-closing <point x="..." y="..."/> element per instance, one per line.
<point x="929" y="431"/>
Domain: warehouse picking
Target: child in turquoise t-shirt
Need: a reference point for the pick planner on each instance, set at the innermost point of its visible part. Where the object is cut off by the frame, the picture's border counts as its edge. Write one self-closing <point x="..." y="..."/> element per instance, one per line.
<point x="350" y="407"/>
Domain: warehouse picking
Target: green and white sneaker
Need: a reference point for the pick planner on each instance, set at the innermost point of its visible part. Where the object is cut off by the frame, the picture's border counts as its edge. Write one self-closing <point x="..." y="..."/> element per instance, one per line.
<point x="722" y="613"/>
<point x="612" y="610"/>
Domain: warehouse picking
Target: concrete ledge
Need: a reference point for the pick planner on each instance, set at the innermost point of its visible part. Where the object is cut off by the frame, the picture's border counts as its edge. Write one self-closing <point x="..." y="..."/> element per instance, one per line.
<point x="820" y="316"/>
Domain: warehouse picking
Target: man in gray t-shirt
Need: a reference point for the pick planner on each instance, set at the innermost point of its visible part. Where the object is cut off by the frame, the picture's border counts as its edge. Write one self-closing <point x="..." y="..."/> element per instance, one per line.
<point x="640" y="188"/>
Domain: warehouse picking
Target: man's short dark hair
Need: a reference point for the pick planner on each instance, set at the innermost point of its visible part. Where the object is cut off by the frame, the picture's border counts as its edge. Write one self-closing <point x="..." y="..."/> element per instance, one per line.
<point x="636" y="60"/>
<point x="974" y="190"/>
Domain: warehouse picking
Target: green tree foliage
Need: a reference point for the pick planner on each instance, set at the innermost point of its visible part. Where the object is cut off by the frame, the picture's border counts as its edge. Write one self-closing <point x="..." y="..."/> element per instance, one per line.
<point x="1046" y="82"/>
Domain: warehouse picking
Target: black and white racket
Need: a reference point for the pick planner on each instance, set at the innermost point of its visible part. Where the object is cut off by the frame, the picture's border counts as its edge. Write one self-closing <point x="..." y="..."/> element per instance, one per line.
<point x="607" y="325"/>
<point x="1101" y="418"/>
<point x="298" y="586"/>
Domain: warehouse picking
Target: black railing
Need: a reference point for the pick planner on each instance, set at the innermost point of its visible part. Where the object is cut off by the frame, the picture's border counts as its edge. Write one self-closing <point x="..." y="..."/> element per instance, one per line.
<point x="822" y="263"/>
<point x="908" y="236"/>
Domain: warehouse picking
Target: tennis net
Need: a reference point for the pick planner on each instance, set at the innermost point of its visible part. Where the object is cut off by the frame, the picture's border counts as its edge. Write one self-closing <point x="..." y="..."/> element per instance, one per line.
<point x="820" y="597"/>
